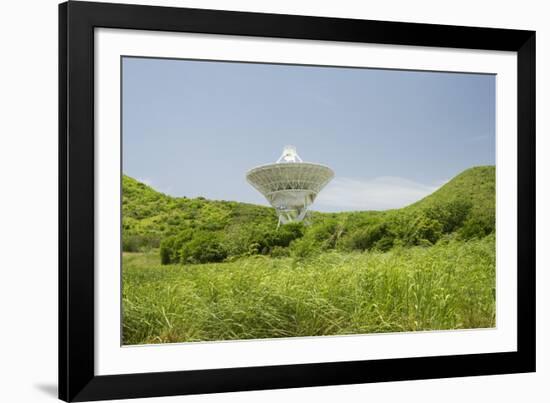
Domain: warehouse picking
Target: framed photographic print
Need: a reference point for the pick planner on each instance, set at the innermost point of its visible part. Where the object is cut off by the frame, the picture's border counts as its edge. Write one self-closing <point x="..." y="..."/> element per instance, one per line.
<point x="254" y="201"/>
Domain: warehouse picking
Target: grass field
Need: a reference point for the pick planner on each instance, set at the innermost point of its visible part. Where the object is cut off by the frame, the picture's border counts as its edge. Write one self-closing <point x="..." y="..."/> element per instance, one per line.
<point x="450" y="285"/>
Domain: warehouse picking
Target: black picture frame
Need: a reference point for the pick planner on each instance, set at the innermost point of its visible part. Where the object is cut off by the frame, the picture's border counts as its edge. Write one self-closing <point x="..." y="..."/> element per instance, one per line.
<point x="77" y="21"/>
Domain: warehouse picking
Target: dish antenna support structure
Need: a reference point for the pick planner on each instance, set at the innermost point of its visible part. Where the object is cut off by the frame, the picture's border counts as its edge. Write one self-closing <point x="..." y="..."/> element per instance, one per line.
<point x="290" y="185"/>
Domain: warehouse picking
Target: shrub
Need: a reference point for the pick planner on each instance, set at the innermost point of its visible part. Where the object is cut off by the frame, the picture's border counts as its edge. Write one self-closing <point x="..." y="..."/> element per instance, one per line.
<point x="423" y="231"/>
<point x="204" y="247"/>
<point x="254" y="248"/>
<point x="367" y="237"/>
<point x="170" y="247"/>
<point x="385" y="243"/>
<point x="477" y="227"/>
<point x="304" y="247"/>
<point x="327" y="233"/>
<point x="285" y="234"/>
<point x="451" y="215"/>
<point x="165" y="252"/>
<point x="268" y="238"/>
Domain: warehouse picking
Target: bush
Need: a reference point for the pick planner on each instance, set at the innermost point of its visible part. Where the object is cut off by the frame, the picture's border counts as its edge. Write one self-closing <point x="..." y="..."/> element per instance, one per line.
<point x="170" y="247"/>
<point x="165" y="252"/>
<point x="285" y="234"/>
<point x="451" y="215"/>
<point x="254" y="248"/>
<point x="204" y="247"/>
<point x="477" y="227"/>
<point x="385" y="243"/>
<point x="423" y="231"/>
<point x="304" y="247"/>
<point x="327" y="233"/>
<point x="241" y="240"/>
<point x="366" y="238"/>
<point x="268" y="238"/>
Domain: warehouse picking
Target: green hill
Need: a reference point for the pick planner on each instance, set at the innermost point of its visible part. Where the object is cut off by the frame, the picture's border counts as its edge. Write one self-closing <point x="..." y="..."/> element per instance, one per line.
<point x="199" y="230"/>
<point x="149" y="216"/>
<point x="475" y="185"/>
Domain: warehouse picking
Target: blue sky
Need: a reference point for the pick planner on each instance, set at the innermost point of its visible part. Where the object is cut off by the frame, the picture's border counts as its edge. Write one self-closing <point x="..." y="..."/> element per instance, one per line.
<point x="193" y="128"/>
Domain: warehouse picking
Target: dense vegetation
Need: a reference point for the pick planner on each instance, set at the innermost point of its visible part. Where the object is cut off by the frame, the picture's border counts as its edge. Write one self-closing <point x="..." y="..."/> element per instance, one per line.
<point x="196" y="269"/>
<point x="202" y="231"/>
<point x="448" y="286"/>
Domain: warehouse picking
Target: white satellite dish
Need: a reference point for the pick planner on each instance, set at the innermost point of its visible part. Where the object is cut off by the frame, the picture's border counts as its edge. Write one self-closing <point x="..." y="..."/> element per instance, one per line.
<point x="290" y="185"/>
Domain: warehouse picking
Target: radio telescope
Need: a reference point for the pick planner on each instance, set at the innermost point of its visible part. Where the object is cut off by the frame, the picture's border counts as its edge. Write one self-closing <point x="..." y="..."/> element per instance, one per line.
<point x="290" y="185"/>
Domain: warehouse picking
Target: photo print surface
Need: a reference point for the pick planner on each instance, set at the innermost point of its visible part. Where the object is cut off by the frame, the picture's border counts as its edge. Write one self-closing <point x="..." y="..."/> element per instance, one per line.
<point x="264" y="201"/>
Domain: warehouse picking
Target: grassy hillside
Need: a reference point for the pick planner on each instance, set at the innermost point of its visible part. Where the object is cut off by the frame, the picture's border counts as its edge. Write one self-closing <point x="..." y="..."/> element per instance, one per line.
<point x="464" y="207"/>
<point x="149" y="216"/>
<point x="475" y="185"/>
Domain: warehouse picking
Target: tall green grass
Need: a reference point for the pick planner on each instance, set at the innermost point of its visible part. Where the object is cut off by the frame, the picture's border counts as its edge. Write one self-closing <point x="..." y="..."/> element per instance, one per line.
<point x="447" y="286"/>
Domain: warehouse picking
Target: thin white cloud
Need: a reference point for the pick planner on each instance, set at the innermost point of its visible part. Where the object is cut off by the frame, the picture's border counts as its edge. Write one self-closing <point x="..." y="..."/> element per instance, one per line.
<point x="381" y="193"/>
